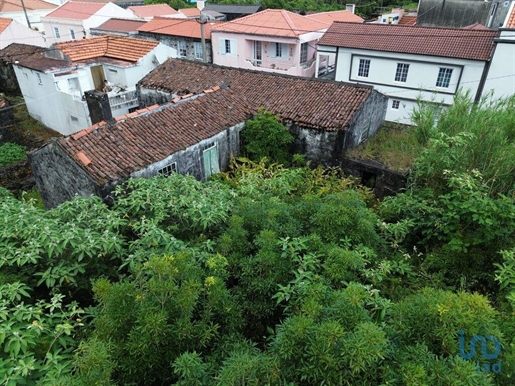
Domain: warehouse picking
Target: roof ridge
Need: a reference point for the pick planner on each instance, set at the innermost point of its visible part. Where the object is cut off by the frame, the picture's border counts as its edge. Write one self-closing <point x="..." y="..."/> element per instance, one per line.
<point x="290" y="22"/>
<point x="385" y="25"/>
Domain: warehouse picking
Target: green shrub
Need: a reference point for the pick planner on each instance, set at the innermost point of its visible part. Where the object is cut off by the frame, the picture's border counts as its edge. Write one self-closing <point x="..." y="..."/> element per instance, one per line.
<point x="11" y="153"/>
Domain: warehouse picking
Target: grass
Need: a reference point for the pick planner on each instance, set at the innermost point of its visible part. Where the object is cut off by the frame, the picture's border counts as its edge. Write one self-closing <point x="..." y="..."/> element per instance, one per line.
<point x="395" y="145"/>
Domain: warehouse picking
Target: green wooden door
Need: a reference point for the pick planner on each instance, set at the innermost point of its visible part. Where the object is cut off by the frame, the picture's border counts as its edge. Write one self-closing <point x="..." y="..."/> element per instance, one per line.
<point x="211" y="163"/>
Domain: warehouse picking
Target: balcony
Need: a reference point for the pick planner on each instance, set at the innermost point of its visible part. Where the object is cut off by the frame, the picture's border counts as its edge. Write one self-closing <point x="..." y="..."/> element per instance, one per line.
<point x="280" y="65"/>
<point x="119" y="99"/>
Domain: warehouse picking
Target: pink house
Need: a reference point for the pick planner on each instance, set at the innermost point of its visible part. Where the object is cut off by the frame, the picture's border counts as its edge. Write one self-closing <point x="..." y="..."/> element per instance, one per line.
<point x="272" y="40"/>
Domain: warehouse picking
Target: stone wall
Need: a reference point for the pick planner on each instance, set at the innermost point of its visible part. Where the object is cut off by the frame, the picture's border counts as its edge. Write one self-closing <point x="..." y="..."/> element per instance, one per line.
<point x="17" y="177"/>
<point x="383" y="181"/>
<point x="58" y="177"/>
<point x="8" y="80"/>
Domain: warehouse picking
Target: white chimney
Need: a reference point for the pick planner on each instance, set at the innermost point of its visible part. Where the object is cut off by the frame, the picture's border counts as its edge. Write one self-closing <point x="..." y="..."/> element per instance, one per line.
<point x="350" y="7"/>
<point x="200" y="4"/>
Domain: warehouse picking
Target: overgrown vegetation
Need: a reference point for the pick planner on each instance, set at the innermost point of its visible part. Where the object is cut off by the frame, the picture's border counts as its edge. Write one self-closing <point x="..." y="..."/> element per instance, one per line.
<point x="395" y="145"/>
<point x="11" y="153"/>
<point x="265" y="275"/>
<point x="265" y="136"/>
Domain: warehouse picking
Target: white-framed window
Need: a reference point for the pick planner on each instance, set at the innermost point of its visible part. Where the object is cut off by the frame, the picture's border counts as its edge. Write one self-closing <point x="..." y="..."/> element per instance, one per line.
<point x="199" y="55"/>
<point x="168" y="169"/>
<point x="279" y="50"/>
<point x="40" y="82"/>
<point x="401" y="75"/>
<point x="56" y="33"/>
<point x="364" y="68"/>
<point x="228" y="47"/>
<point x="444" y="77"/>
<point x="303" y="53"/>
<point x="72" y="34"/>
<point x="396" y="104"/>
<point x="182" y="48"/>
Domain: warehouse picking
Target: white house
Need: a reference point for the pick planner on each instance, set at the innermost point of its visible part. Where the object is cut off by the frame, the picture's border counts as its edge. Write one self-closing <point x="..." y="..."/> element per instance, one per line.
<point x="73" y="20"/>
<point x="13" y="32"/>
<point x="408" y="62"/>
<point x="54" y="83"/>
<point x="501" y="76"/>
<point x="35" y="10"/>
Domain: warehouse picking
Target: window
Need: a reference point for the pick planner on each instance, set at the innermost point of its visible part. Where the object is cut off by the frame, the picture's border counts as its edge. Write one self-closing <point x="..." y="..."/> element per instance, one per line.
<point x="182" y="48"/>
<point x="402" y="72"/>
<point x="227" y="47"/>
<point x="72" y="34"/>
<point x="279" y="50"/>
<point x="303" y="53"/>
<point x="199" y="55"/>
<point x="444" y="77"/>
<point x="56" y="33"/>
<point x="168" y="169"/>
<point x="364" y="68"/>
<point x="74" y="119"/>
<point x="396" y="104"/>
<point x="113" y="70"/>
<point x="40" y="82"/>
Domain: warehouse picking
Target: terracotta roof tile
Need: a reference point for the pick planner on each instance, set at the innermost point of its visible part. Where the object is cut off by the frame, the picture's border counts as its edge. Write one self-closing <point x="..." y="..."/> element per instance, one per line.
<point x="115" y="151"/>
<point x="477" y="26"/>
<point x="510" y="23"/>
<point x="122" y="25"/>
<point x="153" y="10"/>
<point x="15" y="5"/>
<point x="4" y="23"/>
<point x="310" y="102"/>
<point x="330" y="17"/>
<point x="273" y="22"/>
<point x="445" y="42"/>
<point x="407" y="20"/>
<point x="190" y="12"/>
<point x="115" y="47"/>
<point x="177" y="27"/>
<point x="76" y="10"/>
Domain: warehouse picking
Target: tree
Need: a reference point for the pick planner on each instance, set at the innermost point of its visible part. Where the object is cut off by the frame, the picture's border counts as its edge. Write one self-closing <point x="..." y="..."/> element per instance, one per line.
<point x="265" y="136"/>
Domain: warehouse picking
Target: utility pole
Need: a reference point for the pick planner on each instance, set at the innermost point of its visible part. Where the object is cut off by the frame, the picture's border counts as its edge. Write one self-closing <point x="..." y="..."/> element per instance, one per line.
<point x="203" y="21"/>
<point x="25" y="12"/>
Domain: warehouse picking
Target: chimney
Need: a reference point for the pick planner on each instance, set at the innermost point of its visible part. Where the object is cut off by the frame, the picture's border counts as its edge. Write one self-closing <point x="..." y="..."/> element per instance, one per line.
<point x="350" y="7"/>
<point x="200" y="4"/>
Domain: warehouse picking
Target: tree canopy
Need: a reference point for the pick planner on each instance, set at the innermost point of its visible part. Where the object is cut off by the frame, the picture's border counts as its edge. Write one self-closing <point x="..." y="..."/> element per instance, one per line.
<point x="269" y="275"/>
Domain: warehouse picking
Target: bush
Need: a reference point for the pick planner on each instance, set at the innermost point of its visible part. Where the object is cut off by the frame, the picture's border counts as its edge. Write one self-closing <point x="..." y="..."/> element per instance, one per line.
<point x="265" y="136"/>
<point x="11" y="153"/>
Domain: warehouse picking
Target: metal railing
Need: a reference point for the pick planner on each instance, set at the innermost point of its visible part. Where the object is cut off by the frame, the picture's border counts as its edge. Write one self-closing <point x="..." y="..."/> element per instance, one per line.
<point x="123" y="98"/>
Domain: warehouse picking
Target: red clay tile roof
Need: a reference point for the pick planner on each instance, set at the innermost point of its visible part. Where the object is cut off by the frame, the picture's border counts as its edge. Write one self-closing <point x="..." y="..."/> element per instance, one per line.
<point x="407" y="20"/>
<point x="510" y="23"/>
<point x="24" y="53"/>
<point x="308" y="102"/>
<point x="329" y="17"/>
<point x="477" y="26"/>
<point x="190" y="12"/>
<point x="177" y="27"/>
<point x="445" y="42"/>
<point x="122" y="25"/>
<point x="4" y="23"/>
<point x="15" y="5"/>
<point x="115" y="151"/>
<point x="115" y="47"/>
<point x="153" y="10"/>
<point x="76" y="10"/>
<point x="273" y="22"/>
